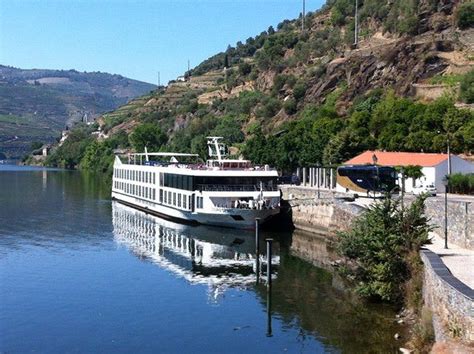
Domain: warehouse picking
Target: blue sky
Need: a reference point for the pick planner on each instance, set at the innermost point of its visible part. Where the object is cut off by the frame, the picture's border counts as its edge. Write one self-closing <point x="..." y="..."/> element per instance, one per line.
<point x="135" y="38"/>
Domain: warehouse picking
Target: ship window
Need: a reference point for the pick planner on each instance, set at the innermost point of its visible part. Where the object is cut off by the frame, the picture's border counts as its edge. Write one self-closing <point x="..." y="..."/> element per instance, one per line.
<point x="184" y="202"/>
<point x="179" y="200"/>
<point x="174" y="199"/>
<point x="199" y="202"/>
<point x="169" y="197"/>
<point x="161" y="196"/>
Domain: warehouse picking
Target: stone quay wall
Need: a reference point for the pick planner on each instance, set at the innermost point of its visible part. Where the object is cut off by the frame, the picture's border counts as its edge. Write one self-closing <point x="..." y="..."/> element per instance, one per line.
<point x="319" y="212"/>
<point x="450" y="301"/>
<point x="316" y="215"/>
<point x="460" y="221"/>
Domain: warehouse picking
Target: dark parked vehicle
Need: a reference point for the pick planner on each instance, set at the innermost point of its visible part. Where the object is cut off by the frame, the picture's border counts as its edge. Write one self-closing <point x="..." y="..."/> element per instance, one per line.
<point x="291" y="179"/>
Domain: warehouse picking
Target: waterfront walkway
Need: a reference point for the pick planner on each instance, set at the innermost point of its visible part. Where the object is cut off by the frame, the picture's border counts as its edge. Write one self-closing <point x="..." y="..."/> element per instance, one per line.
<point x="459" y="261"/>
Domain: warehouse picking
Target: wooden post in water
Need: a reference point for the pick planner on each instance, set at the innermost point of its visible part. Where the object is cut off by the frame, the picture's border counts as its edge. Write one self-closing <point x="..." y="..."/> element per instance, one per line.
<point x="269" y="263"/>
<point x="269" y="312"/>
<point x="257" y="248"/>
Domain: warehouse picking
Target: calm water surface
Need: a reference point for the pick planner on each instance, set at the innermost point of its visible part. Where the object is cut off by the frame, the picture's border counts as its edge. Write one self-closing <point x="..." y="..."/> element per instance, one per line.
<point x="79" y="273"/>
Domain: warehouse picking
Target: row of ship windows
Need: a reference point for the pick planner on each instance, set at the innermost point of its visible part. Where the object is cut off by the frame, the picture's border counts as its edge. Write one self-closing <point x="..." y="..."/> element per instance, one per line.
<point x="139" y="191"/>
<point x="166" y="197"/>
<point x="176" y="199"/>
<point x="132" y="175"/>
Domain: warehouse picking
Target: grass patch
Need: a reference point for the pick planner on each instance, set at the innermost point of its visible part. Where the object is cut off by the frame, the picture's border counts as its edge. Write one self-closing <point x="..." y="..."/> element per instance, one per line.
<point x="450" y="79"/>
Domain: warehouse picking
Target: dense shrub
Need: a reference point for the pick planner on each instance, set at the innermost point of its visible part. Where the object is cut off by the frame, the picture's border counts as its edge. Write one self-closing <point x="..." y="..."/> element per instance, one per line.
<point x="467" y="87"/>
<point x="381" y="245"/>
<point x="244" y="68"/>
<point x="299" y="90"/>
<point x="465" y="15"/>
<point x="290" y="106"/>
<point x="462" y="184"/>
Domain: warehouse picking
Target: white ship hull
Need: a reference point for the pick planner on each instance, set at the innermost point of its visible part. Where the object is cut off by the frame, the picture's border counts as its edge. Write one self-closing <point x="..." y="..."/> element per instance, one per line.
<point x="234" y="218"/>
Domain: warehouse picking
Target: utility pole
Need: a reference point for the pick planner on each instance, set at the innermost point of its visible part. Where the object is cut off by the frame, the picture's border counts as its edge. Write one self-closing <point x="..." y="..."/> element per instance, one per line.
<point x="303" y="15"/>
<point x="189" y="67"/>
<point x="159" y="83"/>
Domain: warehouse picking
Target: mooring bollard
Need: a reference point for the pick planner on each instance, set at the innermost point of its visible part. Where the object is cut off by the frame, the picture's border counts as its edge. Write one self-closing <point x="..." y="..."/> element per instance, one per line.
<point x="257" y="248"/>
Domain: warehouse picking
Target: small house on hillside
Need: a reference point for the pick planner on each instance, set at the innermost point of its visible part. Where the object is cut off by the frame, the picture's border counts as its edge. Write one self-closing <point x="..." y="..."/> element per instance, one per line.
<point x="433" y="166"/>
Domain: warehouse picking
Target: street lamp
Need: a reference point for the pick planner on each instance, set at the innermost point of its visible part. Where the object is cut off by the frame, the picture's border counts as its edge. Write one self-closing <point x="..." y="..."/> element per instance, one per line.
<point x="446" y="184"/>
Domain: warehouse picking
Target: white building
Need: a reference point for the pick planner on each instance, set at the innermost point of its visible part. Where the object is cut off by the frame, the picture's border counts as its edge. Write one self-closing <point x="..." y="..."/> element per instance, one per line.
<point x="434" y="166"/>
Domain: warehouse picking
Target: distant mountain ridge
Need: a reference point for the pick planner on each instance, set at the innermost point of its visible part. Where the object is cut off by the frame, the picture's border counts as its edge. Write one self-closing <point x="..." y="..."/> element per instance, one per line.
<point x="36" y="104"/>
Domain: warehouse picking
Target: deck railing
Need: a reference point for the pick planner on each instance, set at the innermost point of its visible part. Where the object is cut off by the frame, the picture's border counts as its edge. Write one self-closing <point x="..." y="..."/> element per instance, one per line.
<point x="235" y="188"/>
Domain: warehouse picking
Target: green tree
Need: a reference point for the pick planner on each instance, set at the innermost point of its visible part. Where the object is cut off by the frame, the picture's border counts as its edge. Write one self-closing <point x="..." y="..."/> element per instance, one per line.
<point x="147" y="135"/>
<point x="382" y="243"/>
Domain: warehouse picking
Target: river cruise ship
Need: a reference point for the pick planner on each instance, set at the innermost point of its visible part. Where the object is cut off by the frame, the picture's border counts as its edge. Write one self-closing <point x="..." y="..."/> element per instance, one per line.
<point x="221" y="192"/>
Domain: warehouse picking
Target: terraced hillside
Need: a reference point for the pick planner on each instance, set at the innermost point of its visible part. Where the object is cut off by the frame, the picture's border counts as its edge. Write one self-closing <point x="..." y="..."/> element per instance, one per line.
<point x="290" y="97"/>
<point x="35" y="105"/>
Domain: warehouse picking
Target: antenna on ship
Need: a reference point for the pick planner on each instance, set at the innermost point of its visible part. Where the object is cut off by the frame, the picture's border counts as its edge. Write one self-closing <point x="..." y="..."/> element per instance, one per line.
<point x="215" y="148"/>
<point x="146" y="154"/>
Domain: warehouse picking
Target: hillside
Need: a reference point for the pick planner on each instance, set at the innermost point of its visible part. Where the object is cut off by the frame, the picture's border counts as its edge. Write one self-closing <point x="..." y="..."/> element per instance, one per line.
<point x="35" y="105"/>
<point x="289" y="97"/>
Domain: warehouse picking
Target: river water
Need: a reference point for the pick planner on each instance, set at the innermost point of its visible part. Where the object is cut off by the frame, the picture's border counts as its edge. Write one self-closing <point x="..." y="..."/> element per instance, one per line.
<point x="80" y="273"/>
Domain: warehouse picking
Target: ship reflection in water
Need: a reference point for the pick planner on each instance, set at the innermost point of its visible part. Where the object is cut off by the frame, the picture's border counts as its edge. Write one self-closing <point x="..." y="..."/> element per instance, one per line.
<point x="220" y="258"/>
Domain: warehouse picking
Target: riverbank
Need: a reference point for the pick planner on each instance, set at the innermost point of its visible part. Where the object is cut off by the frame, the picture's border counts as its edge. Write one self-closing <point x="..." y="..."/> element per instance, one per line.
<point x="452" y="306"/>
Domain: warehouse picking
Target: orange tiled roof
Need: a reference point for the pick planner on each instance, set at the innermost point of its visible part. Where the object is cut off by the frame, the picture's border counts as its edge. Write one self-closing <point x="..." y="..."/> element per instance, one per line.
<point x="385" y="158"/>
